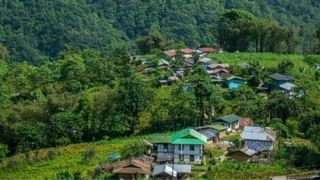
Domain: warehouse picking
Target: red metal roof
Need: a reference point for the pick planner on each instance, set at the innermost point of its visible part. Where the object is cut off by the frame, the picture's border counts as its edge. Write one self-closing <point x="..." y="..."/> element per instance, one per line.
<point x="186" y="51"/>
<point x="170" y="53"/>
<point x="208" y="50"/>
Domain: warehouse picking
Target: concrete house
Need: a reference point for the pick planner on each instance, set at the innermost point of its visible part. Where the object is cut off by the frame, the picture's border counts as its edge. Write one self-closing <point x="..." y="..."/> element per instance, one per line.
<point x="263" y="137"/>
<point x="184" y="147"/>
<point x="230" y="121"/>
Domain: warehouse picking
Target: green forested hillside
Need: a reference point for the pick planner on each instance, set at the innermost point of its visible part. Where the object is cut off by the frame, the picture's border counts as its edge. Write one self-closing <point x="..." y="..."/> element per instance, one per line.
<point x="33" y="30"/>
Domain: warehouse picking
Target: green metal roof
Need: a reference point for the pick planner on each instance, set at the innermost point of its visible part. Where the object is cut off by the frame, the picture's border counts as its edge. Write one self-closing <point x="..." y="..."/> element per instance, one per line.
<point x="230" y="118"/>
<point x="218" y="127"/>
<point x="188" y="136"/>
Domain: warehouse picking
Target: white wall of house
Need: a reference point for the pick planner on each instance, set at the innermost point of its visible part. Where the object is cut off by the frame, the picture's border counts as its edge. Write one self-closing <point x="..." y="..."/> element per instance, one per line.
<point x="182" y="155"/>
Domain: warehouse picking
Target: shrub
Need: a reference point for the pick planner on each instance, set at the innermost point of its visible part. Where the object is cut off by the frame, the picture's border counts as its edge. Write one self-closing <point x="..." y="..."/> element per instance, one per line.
<point x="64" y="175"/>
<point x="133" y="150"/>
<point x="51" y="155"/>
<point x="3" y="151"/>
<point x="88" y="155"/>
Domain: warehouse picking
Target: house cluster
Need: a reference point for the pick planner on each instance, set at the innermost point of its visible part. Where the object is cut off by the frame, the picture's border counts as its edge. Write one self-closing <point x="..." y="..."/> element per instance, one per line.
<point x="175" y="154"/>
<point x="219" y="73"/>
<point x="169" y="58"/>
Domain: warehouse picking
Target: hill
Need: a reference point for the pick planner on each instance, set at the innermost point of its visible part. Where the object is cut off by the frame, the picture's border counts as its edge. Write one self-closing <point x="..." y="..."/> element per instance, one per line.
<point x="46" y="163"/>
<point x="35" y="30"/>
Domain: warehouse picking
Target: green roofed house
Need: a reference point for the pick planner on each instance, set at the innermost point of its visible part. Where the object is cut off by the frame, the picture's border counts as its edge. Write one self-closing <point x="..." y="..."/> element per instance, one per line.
<point x="230" y="121"/>
<point x="185" y="146"/>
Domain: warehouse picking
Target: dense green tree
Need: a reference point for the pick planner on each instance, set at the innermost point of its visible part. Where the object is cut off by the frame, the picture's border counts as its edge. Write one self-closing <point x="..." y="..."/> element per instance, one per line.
<point x="285" y="67"/>
<point x="28" y="136"/>
<point x="236" y="30"/>
<point x="131" y="100"/>
<point x="65" y="128"/>
<point x="281" y="106"/>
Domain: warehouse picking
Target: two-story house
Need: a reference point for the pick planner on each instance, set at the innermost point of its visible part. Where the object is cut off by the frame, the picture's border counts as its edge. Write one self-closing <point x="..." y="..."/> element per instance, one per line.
<point x="185" y="146"/>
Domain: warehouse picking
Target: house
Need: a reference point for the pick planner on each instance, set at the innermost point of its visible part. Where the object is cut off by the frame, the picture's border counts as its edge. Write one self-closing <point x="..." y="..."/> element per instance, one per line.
<point x="279" y="79"/>
<point x="171" y="171"/>
<point x="264" y="137"/>
<point x="207" y="61"/>
<point x="243" y="122"/>
<point x="186" y="51"/>
<point x="185" y="146"/>
<point x="218" y="73"/>
<point x="163" y="83"/>
<point x="220" y="129"/>
<point x="230" y="121"/>
<point x="215" y="66"/>
<point x="170" y="53"/>
<point x="207" y="50"/>
<point x="210" y="133"/>
<point x="242" y="155"/>
<point x="288" y="88"/>
<point x="234" y="82"/>
<point x="163" y="64"/>
<point x="134" y="168"/>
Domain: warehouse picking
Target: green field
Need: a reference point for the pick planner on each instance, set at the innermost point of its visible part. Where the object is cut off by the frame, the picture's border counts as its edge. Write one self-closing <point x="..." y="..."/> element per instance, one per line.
<point x="266" y="59"/>
<point x="68" y="158"/>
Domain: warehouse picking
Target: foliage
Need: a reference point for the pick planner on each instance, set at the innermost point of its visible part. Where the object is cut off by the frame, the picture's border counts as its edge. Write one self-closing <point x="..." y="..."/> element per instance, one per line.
<point x="133" y="150"/>
<point x="3" y="151"/>
<point x="35" y="30"/>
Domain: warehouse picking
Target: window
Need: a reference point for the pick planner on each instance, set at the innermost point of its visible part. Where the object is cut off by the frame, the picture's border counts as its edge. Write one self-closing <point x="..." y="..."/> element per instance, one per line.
<point x="181" y="157"/>
<point x="191" y="158"/>
<point x="165" y="146"/>
<point x="191" y="147"/>
<point x="181" y="147"/>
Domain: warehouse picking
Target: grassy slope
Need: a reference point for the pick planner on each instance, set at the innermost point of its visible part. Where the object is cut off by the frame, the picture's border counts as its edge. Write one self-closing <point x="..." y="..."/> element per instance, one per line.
<point x="301" y="70"/>
<point x="266" y="59"/>
<point x="69" y="158"/>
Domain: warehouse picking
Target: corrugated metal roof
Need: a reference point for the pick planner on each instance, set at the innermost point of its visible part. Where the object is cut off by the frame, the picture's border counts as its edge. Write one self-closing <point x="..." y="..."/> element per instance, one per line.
<point x="231" y="118"/>
<point x="188" y="136"/>
<point x="281" y="77"/>
<point x="256" y="133"/>
<point x="287" y="86"/>
<point x="167" y="168"/>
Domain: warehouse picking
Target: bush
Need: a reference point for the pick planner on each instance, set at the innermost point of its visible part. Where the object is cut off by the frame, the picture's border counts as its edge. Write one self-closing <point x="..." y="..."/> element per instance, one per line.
<point x="64" y="175"/>
<point x="133" y="150"/>
<point x="51" y="155"/>
<point x="3" y="151"/>
<point x="88" y="155"/>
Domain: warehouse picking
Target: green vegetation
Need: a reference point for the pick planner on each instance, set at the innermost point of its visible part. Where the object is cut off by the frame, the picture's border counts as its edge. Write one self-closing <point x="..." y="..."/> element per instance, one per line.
<point x="234" y="170"/>
<point x="36" y="30"/>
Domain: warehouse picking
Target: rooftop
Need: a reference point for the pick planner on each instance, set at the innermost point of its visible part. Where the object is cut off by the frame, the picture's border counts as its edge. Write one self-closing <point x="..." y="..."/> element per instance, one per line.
<point x="230" y="118"/>
<point x="218" y="127"/>
<point x="167" y="168"/>
<point x="170" y="53"/>
<point x="287" y="86"/>
<point x="188" y="136"/>
<point x="258" y="133"/>
<point x="281" y="77"/>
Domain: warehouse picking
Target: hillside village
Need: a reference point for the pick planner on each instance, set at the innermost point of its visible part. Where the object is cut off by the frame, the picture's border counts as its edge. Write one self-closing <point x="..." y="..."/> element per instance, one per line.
<point x="173" y="156"/>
